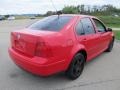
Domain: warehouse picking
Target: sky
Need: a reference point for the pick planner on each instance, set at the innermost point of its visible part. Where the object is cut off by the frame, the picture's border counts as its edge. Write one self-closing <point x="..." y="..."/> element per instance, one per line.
<point x="42" y="6"/>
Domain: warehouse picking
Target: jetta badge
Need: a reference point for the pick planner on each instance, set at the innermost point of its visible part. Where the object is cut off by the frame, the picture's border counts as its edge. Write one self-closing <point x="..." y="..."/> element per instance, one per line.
<point x="18" y="36"/>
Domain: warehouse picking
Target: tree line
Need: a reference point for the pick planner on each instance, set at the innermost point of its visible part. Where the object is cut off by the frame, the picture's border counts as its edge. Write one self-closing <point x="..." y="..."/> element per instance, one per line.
<point x="88" y="9"/>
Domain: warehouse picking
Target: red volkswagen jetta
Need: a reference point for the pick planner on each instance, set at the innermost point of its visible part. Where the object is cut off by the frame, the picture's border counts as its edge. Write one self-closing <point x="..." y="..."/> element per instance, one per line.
<point x="60" y="43"/>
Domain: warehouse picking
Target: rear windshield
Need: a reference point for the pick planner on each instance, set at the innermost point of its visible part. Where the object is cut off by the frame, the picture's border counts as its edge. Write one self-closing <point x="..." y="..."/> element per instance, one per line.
<point x="51" y="23"/>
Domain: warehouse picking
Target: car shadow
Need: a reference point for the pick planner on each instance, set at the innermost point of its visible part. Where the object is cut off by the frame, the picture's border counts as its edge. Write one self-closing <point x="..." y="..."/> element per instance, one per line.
<point x="22" y="77"/>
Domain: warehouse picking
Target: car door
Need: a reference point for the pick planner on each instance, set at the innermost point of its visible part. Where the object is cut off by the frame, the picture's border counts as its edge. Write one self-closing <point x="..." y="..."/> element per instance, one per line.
<point x="104" y="35"/>
<point x="87" y="36"/>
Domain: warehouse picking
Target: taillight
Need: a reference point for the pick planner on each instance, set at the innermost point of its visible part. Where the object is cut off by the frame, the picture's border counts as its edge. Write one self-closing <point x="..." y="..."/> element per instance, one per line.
<point x="42" y="50"/>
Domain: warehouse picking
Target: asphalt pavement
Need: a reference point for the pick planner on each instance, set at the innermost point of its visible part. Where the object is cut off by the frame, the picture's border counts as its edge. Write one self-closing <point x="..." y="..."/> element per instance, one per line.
<point x="102" y="73"/>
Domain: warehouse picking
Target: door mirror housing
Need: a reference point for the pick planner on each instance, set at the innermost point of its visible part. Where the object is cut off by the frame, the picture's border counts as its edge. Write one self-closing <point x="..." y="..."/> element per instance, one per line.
<point x="109" y="29"/>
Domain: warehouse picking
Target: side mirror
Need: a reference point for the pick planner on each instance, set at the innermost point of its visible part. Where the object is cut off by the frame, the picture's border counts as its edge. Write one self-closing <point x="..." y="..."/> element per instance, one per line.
<point x="109" y="29"/>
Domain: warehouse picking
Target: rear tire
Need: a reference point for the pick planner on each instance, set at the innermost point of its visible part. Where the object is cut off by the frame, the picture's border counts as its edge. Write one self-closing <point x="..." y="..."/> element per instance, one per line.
<point x="76" y="67"/>
<point x="110" y="46"/>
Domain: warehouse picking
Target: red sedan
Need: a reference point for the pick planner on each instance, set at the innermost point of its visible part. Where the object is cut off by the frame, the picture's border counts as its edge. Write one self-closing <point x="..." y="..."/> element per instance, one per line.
<point x="60" y="43"/>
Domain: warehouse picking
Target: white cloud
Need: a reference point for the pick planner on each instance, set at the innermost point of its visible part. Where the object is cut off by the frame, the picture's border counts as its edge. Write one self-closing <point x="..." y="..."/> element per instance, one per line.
<point x="41" y="6"/>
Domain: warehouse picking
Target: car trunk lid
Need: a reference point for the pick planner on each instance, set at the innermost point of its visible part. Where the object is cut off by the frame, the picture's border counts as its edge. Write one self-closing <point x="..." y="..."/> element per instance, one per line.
<point x="24" y="42"/>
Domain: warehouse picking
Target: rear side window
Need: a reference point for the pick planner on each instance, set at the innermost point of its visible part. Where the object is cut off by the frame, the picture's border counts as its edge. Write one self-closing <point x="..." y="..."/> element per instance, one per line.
<point x="79" y="28"/>
<point x="52" y="23"/>
<point x="87" y="26"/>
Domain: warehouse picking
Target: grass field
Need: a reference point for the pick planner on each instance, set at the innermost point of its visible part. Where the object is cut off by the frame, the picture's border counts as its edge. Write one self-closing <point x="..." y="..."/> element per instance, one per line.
<point x="117" y="34"/>
<point x="111" y="21"/>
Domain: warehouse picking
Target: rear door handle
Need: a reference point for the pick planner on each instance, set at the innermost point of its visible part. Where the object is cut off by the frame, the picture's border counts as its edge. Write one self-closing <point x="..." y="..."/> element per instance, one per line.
<point x="84" y="39"/>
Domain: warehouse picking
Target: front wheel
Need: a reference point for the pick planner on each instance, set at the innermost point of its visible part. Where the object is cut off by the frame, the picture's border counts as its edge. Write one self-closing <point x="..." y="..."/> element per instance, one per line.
<point x="110" y="46"/>
<point x="76" y="67"/>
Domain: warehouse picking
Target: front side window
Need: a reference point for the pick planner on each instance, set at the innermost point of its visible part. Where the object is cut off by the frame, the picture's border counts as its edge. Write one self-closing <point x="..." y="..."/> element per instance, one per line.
<point x="87" y="26"/>
<point x="99" y="25"/>
<point x="52" y="23"/>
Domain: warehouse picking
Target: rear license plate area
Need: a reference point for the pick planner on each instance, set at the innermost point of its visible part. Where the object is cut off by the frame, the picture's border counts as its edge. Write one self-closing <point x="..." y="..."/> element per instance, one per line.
<point x="20" y="45"/>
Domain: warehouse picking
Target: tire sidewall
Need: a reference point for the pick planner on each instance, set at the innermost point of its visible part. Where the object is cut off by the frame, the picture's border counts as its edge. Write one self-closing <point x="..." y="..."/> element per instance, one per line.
<point x="70" y="73"/>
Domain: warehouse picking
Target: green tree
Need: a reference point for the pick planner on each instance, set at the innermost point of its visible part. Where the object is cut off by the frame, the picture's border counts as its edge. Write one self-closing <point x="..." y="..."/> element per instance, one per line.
<point x="70" y="10"/>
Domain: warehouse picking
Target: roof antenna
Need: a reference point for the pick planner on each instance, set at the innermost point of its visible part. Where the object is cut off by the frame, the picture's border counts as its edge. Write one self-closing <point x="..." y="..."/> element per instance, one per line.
<point x="53" y="5"/>
<point x="57" y="12"/>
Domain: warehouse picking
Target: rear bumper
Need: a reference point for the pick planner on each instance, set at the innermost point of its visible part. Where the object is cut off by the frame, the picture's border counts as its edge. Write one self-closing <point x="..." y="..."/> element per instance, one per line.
<point x="36" y="65"/>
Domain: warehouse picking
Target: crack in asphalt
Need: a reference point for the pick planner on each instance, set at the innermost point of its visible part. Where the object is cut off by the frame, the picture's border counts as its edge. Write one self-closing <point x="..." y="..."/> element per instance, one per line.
<point x="87" y="84"/>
